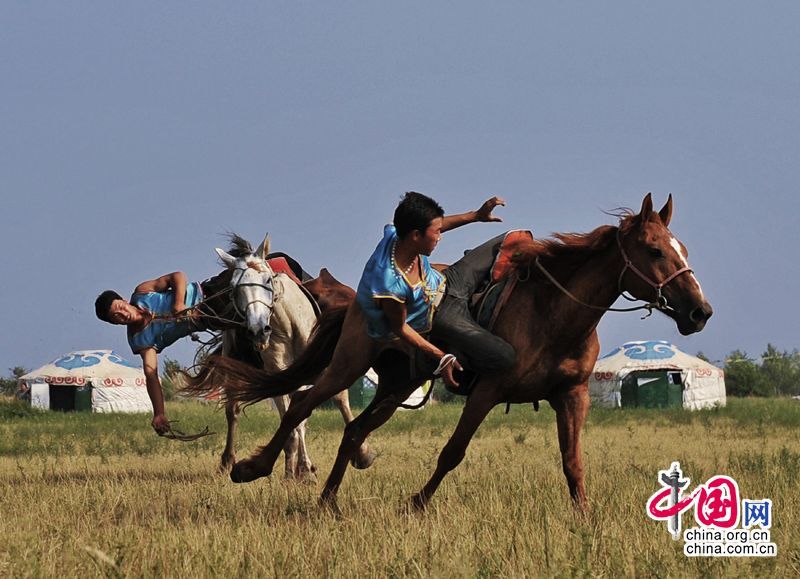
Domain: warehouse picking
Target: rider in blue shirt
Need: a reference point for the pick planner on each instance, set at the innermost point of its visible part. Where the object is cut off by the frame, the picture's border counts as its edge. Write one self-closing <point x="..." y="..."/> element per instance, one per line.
<point x="399" y="288"/>
<point x="156" y="316"/>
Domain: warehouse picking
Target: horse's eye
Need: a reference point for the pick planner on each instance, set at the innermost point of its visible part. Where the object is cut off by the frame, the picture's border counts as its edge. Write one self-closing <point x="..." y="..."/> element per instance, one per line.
<point x="655" y="252"/>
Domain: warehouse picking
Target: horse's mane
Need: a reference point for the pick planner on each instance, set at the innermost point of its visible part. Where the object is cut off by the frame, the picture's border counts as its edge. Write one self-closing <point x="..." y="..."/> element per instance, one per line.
<point x="217" y="284"/>
<point x="239" y="246"/>
<point x="574" y="248"/>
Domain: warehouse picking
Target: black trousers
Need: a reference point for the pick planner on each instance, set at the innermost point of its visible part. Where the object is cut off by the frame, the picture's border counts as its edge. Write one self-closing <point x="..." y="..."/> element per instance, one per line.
<point x="477" y="349"/>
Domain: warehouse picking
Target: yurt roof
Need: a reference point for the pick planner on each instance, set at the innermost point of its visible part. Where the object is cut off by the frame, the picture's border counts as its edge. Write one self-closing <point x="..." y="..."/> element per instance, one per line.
<point x="648" y="355"/>
<point x="100" y="368"/>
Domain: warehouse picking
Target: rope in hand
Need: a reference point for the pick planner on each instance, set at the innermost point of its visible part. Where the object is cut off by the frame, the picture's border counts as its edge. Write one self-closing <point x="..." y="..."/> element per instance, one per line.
<point x="175" y="434"/>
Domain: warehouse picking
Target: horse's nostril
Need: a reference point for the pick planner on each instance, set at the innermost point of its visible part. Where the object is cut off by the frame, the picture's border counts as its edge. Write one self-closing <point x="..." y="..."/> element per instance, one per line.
<point x="700" y="314"/>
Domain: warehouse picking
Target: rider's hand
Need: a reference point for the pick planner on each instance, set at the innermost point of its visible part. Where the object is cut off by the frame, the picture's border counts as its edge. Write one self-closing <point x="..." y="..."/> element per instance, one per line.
<point x="182" y="312"/>
<point x="160" y="424"/>
<point x="485" y="212"/>
<point x="448" y="374"/>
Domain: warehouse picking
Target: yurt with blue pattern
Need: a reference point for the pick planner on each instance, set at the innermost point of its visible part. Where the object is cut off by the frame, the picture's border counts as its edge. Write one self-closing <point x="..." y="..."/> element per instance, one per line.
<point x="94" y="380"/>
<point x="655" y="374"/>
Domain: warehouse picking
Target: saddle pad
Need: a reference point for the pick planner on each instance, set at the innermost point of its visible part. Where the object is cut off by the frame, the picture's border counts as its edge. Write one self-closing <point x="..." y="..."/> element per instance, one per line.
<point x="280" y="265"/>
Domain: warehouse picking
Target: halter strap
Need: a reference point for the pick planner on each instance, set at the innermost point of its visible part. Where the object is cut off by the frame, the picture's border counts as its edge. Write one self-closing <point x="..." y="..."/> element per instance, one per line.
<point x="660" y="303"/>
<point x="645" y="278"/>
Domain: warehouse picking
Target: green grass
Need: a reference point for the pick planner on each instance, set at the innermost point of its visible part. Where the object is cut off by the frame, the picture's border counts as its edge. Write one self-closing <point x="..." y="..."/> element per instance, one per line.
<point x="101" y="495"/>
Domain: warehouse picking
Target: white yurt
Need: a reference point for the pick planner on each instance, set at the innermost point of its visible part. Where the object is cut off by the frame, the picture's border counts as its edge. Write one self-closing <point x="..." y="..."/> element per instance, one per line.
<point x="655" y="374"/>
<point x="96" y="380"/>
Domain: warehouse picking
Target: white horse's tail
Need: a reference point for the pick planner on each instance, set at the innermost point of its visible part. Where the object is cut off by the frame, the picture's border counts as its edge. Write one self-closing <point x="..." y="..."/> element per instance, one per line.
<point x="247" y="385"/>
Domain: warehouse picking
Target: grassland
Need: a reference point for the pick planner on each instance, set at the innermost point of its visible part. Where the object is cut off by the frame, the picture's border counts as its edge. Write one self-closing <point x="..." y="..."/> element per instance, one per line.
<point x="101" y="495"/>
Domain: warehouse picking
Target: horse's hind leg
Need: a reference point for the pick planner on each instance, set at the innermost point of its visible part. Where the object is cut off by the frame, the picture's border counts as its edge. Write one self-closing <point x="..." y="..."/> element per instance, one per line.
<point x="290" y="448"/>
<point x="305" y="471"/>
<point x="571" y="408"/>
<point x="228" y="458"/>
<point x="478" y="405"/>
<point x="389" y="396"/>
<point x="365" y="456"/>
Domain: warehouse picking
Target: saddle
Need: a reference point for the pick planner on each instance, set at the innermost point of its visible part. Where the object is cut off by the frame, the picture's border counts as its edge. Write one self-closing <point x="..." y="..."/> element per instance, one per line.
<point x="487" y="304"/>
<point x="324" y="292"/>
<point x="328" y="291"/>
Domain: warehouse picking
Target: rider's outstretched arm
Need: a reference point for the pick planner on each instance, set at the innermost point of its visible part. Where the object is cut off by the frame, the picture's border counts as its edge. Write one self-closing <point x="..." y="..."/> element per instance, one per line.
<point x="484" y="214"/>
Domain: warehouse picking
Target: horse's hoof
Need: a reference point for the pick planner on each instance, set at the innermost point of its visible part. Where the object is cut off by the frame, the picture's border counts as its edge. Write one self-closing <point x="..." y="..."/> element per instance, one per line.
<point x="307" y="477"/>
<point x="328" y="503"/>
<point x="246" y="471"/>
<point x="364" y="459"/>
<point x="418" y="503"/>
<point x="225" y="465"/>
<point x="304" y="477"/>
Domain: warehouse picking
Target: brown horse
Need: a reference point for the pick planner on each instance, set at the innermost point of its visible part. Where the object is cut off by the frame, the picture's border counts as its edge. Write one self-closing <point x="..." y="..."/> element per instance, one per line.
<point x="565" y="286"/>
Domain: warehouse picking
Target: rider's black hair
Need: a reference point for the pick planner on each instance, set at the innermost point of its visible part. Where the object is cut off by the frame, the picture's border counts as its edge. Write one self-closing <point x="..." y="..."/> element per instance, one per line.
<point x="103" y="303"/>
<point x="415" y="212"/>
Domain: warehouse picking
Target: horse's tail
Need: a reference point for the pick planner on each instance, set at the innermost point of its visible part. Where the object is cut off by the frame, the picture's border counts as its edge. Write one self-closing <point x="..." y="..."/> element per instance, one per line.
<point x="204" y="383"/>
<point x="245" y="384"/>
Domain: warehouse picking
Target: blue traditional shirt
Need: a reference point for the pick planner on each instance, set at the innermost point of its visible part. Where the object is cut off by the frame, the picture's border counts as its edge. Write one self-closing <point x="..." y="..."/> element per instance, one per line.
<point x="382" y="280"/>
<point x="163" y="329"/>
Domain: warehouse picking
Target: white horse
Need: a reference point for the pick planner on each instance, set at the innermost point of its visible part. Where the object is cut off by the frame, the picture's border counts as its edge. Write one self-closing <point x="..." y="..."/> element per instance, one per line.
<point x="274" y="320"/>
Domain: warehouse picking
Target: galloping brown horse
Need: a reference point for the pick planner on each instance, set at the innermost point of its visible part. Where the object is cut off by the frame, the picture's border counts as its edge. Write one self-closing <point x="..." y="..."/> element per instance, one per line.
<point x="565" y="286"/>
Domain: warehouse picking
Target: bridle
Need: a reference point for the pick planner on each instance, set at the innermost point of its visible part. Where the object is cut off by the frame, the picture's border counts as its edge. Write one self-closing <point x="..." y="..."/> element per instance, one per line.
<point x="237" y="317"/>
<point x="660" y="302"/>
<point x="267" y="286"/>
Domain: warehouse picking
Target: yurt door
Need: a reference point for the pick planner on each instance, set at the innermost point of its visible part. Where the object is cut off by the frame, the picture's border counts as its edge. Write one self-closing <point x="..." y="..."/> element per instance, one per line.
<point x="650" y="390"/>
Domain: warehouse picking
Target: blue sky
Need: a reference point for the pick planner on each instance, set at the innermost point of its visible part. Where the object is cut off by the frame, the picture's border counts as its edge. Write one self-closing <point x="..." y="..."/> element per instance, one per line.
<point x="135" y="134"/>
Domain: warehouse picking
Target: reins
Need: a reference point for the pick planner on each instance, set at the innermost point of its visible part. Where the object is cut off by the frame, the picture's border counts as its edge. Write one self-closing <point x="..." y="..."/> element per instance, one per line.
<point x="659" y="304"/>
<point x="242" y="317"/>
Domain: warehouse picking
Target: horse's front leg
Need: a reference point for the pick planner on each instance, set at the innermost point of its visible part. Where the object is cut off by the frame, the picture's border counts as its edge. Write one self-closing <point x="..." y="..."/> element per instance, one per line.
<point x="365" y="455"/>
<point x="390" y="394"/>
<point x="478" y="405"/>
<point x="352" y="357"/>
<point x="571" y="407"/>
<point x="228" y="458"/>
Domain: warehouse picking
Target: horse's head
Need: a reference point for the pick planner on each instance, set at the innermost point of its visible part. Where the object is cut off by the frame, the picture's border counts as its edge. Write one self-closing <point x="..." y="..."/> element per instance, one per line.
<point x="657" y="270"/>
<point x="252" y="292"/>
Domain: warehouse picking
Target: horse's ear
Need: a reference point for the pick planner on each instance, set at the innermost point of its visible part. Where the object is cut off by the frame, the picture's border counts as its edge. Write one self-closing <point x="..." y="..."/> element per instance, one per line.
<point x="263" y="249"/>
<point x="647" y="208"/>
<point x="666" y="211"/>
<point x="226" y="258"/>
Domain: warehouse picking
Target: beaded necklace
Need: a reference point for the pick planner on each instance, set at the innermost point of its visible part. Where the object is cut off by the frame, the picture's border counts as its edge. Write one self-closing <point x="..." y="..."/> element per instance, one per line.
<point x="394" y="261"/>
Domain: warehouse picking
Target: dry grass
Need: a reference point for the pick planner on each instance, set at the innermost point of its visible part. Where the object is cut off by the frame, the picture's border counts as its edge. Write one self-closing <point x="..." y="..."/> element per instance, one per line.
<point x="98" y="495"/>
